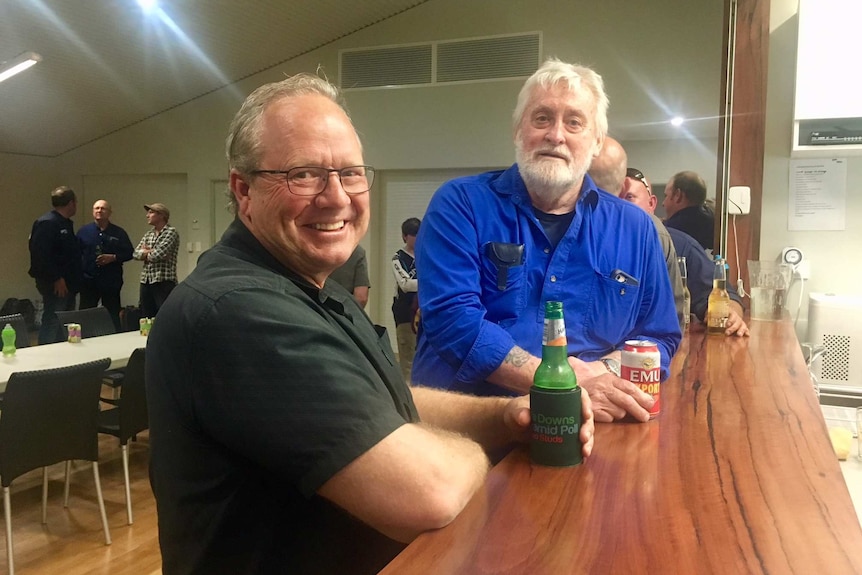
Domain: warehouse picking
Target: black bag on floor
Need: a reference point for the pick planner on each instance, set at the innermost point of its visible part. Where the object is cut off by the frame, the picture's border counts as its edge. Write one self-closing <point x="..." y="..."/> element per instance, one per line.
<point x="23" y="306"/>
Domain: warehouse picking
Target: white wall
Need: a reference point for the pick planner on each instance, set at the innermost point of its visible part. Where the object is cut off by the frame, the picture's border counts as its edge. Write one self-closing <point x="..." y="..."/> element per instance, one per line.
<point x="830" y="252"/>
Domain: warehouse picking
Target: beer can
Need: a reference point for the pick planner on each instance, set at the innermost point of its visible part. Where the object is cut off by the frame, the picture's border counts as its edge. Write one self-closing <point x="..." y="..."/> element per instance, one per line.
<point x="641" y="365"/>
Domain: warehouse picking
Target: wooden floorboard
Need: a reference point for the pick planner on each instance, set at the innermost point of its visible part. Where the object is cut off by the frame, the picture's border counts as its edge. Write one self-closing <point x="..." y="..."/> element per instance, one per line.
<point x="72" y="542"/>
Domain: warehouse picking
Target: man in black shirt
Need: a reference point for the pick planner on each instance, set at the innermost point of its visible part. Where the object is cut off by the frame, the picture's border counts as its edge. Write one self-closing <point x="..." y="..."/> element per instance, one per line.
<point x="685" y="205"/>
<point x="55" y="261"/>
<point x="283" y="438"/>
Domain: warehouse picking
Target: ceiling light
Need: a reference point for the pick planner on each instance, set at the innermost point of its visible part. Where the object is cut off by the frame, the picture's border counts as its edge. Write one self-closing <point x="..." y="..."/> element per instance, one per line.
<point x="18" y="64"/>
<point x="677" y="121"/>
<point x="148" y="5"/>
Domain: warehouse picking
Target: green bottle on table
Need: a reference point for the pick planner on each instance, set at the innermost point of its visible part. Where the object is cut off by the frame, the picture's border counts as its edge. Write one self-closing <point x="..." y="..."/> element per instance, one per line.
<point x="9" y="340"/>
<point x="555" y="398"/>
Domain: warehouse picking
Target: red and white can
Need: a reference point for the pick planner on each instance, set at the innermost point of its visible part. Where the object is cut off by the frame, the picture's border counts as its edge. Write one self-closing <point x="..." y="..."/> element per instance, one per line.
<point x="641" y="365"/>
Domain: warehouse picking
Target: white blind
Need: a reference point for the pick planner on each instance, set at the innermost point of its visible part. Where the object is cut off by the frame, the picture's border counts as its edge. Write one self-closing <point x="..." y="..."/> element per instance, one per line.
<point x="406" y="194"/>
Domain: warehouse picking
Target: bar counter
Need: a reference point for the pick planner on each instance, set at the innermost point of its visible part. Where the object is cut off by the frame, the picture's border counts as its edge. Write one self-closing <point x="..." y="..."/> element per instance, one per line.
<point x="736" y="475"/>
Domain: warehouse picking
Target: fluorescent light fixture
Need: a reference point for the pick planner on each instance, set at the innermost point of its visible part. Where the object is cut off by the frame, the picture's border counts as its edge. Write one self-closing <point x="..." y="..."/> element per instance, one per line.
<point x="18" y="64"/>
<point x="677" y="121"/>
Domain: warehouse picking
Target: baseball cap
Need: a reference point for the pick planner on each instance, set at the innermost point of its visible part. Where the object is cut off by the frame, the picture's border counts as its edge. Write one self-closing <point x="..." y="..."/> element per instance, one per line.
<point x="159" y="208"/>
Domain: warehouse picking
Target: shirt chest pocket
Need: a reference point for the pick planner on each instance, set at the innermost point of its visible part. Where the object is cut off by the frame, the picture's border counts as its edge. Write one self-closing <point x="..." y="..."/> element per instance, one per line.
<point x="615" y="302"/>
<point x="503" y="276"/>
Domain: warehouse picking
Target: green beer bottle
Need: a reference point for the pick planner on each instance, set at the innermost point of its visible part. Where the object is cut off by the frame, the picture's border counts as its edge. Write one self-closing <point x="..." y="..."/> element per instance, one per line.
<point x="555" y="398"/>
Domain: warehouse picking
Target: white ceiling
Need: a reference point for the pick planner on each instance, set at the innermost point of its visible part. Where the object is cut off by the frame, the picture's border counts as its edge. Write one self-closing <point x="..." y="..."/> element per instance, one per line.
<point x="106" y="65"/>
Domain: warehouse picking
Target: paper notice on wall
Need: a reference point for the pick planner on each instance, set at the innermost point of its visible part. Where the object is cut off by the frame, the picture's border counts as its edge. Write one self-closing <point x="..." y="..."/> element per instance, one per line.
<point x="818" y="189"/>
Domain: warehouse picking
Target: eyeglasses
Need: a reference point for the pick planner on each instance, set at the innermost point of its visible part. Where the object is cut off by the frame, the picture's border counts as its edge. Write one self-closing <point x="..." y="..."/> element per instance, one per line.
<point x="638" y="175"/>
<point x="312" y="180"/>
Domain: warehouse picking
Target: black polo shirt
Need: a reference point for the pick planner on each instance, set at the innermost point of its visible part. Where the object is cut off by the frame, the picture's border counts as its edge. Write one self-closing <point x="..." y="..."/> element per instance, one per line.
<point x="696" y="221"/>
<point x="260" y="388"/>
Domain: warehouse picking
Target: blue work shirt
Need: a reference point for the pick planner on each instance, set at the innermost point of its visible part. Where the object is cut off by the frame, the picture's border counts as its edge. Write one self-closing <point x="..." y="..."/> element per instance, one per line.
<point x="608" y="270"/>
<point x="113" y="240"/>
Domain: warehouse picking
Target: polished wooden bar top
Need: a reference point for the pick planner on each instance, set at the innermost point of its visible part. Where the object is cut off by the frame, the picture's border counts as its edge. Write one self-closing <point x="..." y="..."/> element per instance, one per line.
<point x="736" y="475"/>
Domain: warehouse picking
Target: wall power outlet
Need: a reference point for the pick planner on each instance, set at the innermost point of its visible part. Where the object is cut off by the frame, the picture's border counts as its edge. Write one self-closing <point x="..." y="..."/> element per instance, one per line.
<point x="738" y="200"/>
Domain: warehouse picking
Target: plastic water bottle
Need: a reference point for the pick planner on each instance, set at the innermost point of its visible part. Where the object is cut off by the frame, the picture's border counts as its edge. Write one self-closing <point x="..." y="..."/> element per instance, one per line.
<point x="9" y="340"/>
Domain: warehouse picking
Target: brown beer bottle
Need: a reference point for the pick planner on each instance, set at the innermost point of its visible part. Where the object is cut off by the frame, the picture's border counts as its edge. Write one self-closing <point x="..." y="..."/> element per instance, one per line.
<point x="686" y="293"/>
<point x="555" y="398"/>
<point x="718" y="308"/>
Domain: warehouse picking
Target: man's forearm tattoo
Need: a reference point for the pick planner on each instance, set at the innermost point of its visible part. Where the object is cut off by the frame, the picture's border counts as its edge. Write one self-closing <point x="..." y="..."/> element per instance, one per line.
<point x="517" y="357"/>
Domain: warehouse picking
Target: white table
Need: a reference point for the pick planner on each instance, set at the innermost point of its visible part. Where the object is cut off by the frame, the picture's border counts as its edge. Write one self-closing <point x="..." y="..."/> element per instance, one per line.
<point x="118" y="347"/>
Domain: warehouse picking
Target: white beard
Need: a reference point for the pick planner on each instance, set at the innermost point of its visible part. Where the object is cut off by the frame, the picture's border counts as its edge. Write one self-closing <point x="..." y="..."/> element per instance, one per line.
<point x="549" y="178"/>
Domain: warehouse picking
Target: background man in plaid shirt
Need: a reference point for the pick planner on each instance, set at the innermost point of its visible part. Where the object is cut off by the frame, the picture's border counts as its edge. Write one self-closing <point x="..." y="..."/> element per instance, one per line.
<point x="158" y="250"/>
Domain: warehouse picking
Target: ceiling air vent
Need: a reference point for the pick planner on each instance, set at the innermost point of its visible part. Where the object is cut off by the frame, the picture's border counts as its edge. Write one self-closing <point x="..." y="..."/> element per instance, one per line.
<point x="488" y="58"/>
<point x="395" y="66"/>
<point x="463" y="60"/>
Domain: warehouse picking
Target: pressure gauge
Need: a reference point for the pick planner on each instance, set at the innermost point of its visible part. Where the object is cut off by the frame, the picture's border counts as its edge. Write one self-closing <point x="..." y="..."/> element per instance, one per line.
<point x="792" y="256"/>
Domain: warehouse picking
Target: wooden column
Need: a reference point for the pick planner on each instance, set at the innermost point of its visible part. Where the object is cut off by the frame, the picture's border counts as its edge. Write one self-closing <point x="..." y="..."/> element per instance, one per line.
<point x="742" y="128"/>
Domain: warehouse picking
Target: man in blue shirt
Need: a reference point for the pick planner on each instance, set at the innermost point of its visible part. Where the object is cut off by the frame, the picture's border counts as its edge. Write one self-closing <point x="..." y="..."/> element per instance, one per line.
<point x="104" y="248"/>
<point x="494" y="247"/>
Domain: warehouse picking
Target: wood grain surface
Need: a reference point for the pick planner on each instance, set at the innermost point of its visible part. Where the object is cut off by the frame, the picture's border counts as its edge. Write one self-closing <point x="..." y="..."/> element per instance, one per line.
<point x="736" y="475"/>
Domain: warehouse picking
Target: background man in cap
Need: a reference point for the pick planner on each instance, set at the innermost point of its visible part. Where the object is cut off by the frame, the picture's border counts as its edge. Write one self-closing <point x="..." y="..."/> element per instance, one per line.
<point x="158" y="250"/>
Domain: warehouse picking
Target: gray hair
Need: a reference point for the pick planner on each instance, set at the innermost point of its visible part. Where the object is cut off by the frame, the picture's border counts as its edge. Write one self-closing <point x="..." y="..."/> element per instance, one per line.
<point x="574" y="76"/>
<point x="242" y="147"/>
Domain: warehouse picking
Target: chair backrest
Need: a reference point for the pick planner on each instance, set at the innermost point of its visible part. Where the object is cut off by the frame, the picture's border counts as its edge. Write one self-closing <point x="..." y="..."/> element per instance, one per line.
<point x="95" y="321"/>
<point x="17" y="321"/>
<point x="49" y="416"/>
<point x="133" y="397"/>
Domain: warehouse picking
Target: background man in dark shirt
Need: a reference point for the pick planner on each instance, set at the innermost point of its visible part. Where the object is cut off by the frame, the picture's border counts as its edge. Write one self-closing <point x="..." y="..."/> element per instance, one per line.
<point x="353" y="276"/>
<point x="700" y="267"/>
<point x="55" y="261"/>
<point x="283" y="438"/>
<point x="685" y="205"/>
<point x="104" y="248"/>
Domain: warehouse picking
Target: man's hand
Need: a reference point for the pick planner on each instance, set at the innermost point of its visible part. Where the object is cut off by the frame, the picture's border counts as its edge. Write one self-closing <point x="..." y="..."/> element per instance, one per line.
<point x="516" y="417"/>
<point x="735" y="324"/>
<point x="613" y="398"/>
<point x="587" y="369"/>
<point x="60" y="289"/>
<point x="105" y="259"/>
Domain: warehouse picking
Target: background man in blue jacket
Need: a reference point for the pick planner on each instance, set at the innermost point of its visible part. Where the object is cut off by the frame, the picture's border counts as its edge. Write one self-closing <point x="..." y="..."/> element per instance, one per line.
<point x="55" y="261"/>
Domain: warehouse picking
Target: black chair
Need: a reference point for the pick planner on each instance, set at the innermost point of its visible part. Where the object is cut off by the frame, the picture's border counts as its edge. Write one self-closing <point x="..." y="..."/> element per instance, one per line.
<point x="50" y="416"/>
<point x="130" y="416"/>
<point x="17" y="321"/>
<point x="95" y="322"/>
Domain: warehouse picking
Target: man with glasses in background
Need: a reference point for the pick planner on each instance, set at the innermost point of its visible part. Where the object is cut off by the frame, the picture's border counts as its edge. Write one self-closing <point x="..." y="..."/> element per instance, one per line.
<point x="636" y="190"/>
<point x="283" y="437"/>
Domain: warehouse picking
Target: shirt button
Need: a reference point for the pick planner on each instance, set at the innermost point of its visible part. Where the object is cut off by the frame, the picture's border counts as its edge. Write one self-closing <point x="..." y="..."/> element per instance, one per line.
<point x="553" y="279"/>
<point x="547" y="250"/>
